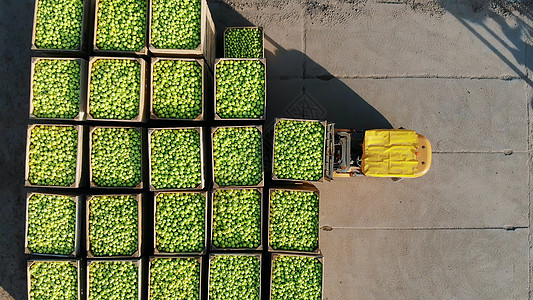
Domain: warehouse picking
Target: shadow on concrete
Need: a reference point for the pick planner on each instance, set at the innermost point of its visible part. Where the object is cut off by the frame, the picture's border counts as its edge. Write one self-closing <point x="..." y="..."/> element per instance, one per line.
<point x="336" y="102"/>
<point x="474" y="15"/>
<point x="15" y="36"/>
<point x="324" y="97"/>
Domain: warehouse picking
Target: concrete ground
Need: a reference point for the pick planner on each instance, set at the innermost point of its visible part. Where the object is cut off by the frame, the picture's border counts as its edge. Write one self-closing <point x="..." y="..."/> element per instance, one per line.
<point x="457" y="71"/>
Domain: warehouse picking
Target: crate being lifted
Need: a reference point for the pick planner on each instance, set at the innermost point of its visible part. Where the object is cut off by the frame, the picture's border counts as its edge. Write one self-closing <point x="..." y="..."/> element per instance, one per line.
<point x="302" y="150"/>
<point x="197" y="41"/>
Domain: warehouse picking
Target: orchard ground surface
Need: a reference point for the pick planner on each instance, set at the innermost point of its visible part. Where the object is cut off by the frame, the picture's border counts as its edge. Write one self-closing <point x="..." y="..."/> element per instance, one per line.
<point x="458" y="72"/>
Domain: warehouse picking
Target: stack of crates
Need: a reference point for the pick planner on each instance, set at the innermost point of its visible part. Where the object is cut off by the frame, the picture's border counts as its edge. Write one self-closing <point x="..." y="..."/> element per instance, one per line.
<point x="55" y="153"/>
<point x="236" y="227"/>
<point x="144" y="159"/>
<point x="298" y="160"/>
<point x="115" y="88"/>
<point x="289" y="211"/>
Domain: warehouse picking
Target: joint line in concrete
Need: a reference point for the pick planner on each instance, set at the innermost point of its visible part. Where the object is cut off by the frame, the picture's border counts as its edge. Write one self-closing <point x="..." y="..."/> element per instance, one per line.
<point x="506" y="228"/>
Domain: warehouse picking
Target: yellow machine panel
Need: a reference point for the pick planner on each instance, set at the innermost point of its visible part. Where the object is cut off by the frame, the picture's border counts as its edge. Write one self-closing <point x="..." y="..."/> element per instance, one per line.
<point x="391" y="153"/>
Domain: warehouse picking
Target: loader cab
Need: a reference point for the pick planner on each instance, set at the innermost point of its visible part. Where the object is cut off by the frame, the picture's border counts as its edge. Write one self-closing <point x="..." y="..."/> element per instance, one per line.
<point x="395" y="153"/>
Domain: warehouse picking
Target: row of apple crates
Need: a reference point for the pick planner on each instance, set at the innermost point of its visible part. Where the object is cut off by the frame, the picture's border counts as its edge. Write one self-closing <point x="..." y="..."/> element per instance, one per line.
<point x="143" y="282"/>
<point x="146" y="96"/>
<point x="82" y="265"/>
<point x="81" y="173"/>
<point x="83" y="217"/>
<point x="81" y="166"/>
<point x="206" y="48"/>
